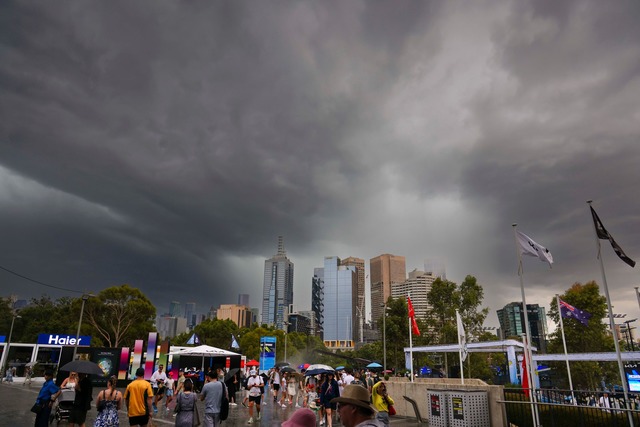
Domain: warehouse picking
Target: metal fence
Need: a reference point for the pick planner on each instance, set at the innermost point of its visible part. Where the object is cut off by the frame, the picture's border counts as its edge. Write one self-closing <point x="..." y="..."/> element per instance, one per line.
<point x="564" y="408"/>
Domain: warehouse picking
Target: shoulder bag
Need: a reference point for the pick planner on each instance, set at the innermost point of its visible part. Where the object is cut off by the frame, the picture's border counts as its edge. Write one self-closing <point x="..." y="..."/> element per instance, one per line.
<point x="224" y="404"/>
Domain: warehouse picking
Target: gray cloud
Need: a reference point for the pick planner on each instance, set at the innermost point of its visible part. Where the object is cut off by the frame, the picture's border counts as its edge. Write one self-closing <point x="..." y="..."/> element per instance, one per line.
<point x="168" y="145"/>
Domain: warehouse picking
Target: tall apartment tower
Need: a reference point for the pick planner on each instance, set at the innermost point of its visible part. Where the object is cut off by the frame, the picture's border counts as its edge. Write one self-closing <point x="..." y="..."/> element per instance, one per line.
<point x="317" y="301"/>
<point x="243" y="299"/>
<point x="174" y="309"/>
<point x="190" y="314"/>
<point x="339" y="311"/>
<point x="384" y="270"/>
<point x="358" y="301"/>
<point x="418" y="285"/>
<point x="277" y="293"/>
<point x="511" y="318"/>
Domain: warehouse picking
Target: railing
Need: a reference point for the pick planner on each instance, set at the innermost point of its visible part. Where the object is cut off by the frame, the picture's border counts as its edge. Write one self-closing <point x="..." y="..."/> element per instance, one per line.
<point x="562" y="408"/>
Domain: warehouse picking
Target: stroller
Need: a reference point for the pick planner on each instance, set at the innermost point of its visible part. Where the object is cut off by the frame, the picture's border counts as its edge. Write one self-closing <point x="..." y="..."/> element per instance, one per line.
<point x="63" y="408"/>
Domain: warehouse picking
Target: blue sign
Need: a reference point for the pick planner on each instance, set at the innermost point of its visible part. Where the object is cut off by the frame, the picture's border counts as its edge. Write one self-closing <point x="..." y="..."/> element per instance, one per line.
<point x="267" y="353"/>
<point x="3" y="338"/>
<point x="63" y="339"/>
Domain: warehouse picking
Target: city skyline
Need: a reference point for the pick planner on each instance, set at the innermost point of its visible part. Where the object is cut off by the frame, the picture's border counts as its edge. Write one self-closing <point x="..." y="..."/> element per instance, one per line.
<point x="167" y="145"/>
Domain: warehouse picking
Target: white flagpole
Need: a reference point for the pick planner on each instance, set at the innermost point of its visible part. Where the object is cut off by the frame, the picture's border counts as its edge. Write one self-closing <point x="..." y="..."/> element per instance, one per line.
<point x="532" y="395"/>
<point x="612" y="324"/>
<point x="458" y="321"/>
<point x="566" y="354"/>
<point x="410" y="340"/>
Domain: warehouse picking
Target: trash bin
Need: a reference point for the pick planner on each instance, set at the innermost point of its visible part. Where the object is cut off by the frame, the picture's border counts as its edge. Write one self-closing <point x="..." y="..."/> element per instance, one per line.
<point x="468" y="408"/>
<point x="438" y="408"/>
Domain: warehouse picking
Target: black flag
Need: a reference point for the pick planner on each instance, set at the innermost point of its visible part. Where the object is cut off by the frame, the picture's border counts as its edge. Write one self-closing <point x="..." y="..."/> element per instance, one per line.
<point x="602" y="233"/>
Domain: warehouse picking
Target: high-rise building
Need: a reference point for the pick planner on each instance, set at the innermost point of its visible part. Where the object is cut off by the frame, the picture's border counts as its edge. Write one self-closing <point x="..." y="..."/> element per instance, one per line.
<point x="384" y="270"/>
<point x="189" y="314"/>
<point x="170" y="326"/>
<point x="358" y="301"/>
<point x="511" y="318"/>
<point x="339" y="310"/>
<point x="277" y="293"/>
<point x="418" y="286"/>
<point x="241" y="315"/>
<point x="317" y="301"/>
<point x="435" y="267"/>
<point x="243" y="299"/>
<point x="309" y="314"/>
<point x="174" y="309"/>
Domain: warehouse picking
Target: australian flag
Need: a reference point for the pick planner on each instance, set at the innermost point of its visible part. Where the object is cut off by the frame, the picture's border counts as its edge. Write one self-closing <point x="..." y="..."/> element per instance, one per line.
<point x="570" y="312"/>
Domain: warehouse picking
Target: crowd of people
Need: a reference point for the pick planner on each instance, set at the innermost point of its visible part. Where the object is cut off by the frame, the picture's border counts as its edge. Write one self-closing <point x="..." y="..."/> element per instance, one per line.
<point x="357" y="398"/>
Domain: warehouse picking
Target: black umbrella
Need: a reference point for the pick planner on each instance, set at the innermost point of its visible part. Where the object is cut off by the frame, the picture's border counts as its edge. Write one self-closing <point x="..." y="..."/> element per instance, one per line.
<point x="230" y="374"/>
<point x="288" y="369"/>
<point x="83" y="367"/>
<point x="281" y="364"/>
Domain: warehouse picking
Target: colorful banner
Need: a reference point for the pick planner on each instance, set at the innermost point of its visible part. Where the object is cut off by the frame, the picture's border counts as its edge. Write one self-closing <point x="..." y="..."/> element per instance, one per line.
<point x="123" y="369"/>
<point x="137" y="357"/>
<point x="150" y="357"/>
<point x="267" y="353"/>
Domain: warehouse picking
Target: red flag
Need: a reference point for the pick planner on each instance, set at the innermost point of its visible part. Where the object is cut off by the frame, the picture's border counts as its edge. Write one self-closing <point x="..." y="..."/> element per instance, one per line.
<point x="525" y="377"/>
<point x="412" y="316"/>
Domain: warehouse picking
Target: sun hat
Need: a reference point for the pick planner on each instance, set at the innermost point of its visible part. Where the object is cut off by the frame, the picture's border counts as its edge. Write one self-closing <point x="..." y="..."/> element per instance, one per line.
<point x="357" y="395"/>
<point x="301" y="418"/>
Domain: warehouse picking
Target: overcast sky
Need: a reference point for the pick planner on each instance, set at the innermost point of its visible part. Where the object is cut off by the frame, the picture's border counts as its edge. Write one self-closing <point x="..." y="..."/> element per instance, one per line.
<point x="167" y="144"/>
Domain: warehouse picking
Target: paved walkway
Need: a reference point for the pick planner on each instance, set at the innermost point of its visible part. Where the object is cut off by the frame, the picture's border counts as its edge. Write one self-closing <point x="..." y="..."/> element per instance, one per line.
<point x="17" y="399"/>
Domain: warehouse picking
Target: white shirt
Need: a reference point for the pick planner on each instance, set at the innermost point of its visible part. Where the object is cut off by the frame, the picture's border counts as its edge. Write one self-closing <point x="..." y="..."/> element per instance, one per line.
<point x="254" y="384"/>
<point x="157" y="376"/>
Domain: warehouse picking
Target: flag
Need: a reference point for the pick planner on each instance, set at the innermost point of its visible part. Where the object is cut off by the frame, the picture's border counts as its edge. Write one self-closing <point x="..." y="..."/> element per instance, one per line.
<point x="525" y="377"/>
<point x="570" y="312"/>
<point x="234" y="342"/>
<point x="412" y="316"/>
<point x="531" y="248"/>
<point x="194" y="339"/>
<point x="603" y="234"/>
<point x="462" y="337"/>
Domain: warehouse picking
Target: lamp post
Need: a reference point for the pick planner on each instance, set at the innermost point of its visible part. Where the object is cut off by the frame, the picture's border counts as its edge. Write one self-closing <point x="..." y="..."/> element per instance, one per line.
<point x="286" y="333"/>
<point x="85" y="297"/>
<point x="384" y="335"/>
<point x="5" y="353"/>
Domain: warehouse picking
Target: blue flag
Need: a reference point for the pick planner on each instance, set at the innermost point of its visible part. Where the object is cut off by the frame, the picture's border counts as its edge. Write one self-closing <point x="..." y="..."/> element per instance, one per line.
<point x="194" y="340"/>
<point x="570" y="312"/>
<point x="234" y="342"/>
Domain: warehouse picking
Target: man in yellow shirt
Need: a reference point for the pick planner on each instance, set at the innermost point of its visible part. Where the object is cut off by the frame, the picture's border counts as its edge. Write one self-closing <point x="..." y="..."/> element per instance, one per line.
<point x="139" y="396"/>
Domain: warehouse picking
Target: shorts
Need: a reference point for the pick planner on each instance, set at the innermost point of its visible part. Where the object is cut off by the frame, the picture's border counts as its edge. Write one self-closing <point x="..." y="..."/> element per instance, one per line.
<point x="77" y="416"/>
<point x="140" y="420"/>
<point x="331" y="406"/>
<point x="161" y="391"/>
<point x="256" y="399"/>
<point x="276" y="387"/>
<point x="169" y="392"/>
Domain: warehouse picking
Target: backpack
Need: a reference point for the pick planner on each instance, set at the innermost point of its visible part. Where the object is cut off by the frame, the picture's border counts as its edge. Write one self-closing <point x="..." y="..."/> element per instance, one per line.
<point x="224" y="404"/>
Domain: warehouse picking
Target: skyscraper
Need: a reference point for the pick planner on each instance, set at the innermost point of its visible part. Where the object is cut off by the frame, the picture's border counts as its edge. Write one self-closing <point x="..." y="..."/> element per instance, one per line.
<point x="418" y="285"/>
<point x="277" y="293"/>
<point x="317" y="301"/>
<point x="339" y="310"/>
<point x="384" y="270"/>
<point x="243" y="299"/>
<point x="511" y="318"/>
<point x="174" y="309"/>
<point x="358" y="301"/>
<point x="190" y="314"/>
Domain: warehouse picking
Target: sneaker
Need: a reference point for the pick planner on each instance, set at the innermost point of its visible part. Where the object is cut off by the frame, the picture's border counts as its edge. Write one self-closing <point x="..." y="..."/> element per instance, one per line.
<point x="321" y="422"/>
<point x="244" y="404"/>
<point x="250" y="420"/>
<point x="259" y="416"/>
<point x="284" y="406"/>
<point x="233" y="404"/>
<point x="298" y="406"/>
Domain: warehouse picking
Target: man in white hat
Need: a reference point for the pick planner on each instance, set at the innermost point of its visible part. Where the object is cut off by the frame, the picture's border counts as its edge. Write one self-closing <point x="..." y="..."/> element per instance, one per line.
<point x="355" y="409"/>
<point x="254" y="385"/>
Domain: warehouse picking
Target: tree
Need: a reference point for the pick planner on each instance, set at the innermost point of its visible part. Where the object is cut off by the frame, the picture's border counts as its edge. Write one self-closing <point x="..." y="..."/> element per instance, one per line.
<point x="583" y="339"/>
<point x="119" y="315"/>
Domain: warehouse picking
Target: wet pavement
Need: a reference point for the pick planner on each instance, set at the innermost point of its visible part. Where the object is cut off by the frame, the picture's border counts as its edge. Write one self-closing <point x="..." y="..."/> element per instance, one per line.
<point x="17" y="400"/>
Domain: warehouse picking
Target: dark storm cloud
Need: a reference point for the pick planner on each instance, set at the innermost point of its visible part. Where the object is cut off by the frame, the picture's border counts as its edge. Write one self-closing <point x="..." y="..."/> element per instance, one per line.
<point x="167" y="145"/>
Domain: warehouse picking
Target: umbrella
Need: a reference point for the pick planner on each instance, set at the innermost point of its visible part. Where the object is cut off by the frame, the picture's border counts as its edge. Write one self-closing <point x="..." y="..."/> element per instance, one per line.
<point x="252" y="362"/>
<point x="303" y="366"/>
<point x="339" y="368"/>
<point x="281" y="364"/>
<point x="84" y="367"/>
<point x="288" y="369"/>
<point x="230" y="374"/>
<point x="30" y="364"/>
<point x="318" y="369"/>
<point x="374" y="365"/>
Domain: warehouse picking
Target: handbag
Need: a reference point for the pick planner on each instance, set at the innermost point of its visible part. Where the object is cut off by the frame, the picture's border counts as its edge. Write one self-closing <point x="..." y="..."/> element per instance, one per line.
<point x="196" y="416"/>
<point x="224" y="404"/>
<point x="392" y="410"/>
<point x="36" y="408"/>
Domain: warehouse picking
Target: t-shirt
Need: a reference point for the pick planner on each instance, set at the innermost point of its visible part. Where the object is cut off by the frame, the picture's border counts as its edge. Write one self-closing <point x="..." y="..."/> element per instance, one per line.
<point x="212" y="393"/>
<point x="157" y="375"/>
<point x="254" y="385"/>
<point x="137" y="393"/>
<point x="169" y="383"/>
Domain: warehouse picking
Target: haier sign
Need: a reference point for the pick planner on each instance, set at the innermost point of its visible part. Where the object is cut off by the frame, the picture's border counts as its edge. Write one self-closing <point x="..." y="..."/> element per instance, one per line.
<point x="61" y="339"/>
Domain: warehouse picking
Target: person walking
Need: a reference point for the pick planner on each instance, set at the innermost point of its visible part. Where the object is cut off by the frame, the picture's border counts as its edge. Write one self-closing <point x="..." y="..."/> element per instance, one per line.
<point x="329" y="391"/>
<point x="48" y="394"/>
<point x="381" y="401"/>
<point x="354" y="407"/>
<point x="139" y="398"/>
<point x="180" y="382"/>
<point x="169" y="387"/>
<point x="108" y="417"/>
<point x="82" y="401"/>
<point x="254" y="384"/>
<point x="211" y="394"/>
<point x="186" y="405"/>
<point x="158" y="379"/>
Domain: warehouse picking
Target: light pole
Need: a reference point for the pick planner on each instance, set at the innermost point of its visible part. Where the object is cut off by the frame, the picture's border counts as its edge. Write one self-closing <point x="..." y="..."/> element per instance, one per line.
<point x="85" y="297"/>
<point x="384" y="336"/>
<point x="286" y="333"/>
<point x="5" y="353"/>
